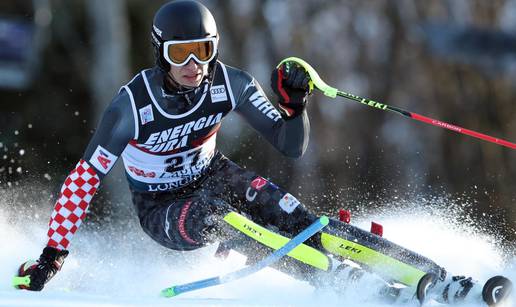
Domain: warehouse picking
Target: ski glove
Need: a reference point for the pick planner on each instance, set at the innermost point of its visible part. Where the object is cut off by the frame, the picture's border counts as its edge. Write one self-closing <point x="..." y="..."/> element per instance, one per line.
<point x="42" y="270"/>
<point x="290" y="82"/>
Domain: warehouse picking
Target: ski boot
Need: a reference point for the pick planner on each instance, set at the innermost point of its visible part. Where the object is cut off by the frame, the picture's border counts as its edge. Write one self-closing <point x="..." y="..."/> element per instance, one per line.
<point x="496" y="290"/>
<point x="459" y="289"/>
<point x="446" y="291"/>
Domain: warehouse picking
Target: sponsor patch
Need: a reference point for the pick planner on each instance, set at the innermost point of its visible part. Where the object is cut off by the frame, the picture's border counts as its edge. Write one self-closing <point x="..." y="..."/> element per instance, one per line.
<point x="103" y="160"/>
<point x="146" y="114"/>
<point x="141" y="173"/>
<point x="250" y="194"/>
<point x="177" y="137"/>
<point x="258" y="183"/>
<point x="218" y="93"/>
<point x="288" y="203"/>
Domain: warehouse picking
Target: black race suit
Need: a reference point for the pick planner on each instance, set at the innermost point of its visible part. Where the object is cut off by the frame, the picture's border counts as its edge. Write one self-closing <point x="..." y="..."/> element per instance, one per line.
<point x="178" y="179"/>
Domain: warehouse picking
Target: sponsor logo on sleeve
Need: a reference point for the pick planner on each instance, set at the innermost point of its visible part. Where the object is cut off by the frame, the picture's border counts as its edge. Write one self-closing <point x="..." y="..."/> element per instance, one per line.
<point x="288" y="203"/>
<point x="103" y="160"/>
<point x="218" y="93"/>
<point x="146" y="114"/>
<point x="261" y="103"/>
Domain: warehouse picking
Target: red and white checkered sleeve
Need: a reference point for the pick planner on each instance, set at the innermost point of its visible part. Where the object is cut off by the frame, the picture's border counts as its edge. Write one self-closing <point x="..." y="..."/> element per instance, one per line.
<point x="70" y="208"/>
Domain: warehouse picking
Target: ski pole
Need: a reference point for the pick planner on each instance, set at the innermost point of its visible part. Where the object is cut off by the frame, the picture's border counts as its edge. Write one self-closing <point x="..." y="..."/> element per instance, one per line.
<point x="275" y="256"/>
<point x="334" y="92"/>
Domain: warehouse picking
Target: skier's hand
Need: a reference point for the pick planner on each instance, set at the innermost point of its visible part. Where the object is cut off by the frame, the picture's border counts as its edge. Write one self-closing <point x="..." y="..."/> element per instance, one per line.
<point x="291" y="83"/>
<point x="42" y="270"/>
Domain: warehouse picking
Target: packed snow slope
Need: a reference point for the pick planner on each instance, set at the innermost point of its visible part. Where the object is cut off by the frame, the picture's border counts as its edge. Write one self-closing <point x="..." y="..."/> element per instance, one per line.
<point x="116" y="264"/>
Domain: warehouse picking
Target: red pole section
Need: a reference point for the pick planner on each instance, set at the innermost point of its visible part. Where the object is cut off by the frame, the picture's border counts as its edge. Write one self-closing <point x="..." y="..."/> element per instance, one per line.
<point x="458" y="129"/>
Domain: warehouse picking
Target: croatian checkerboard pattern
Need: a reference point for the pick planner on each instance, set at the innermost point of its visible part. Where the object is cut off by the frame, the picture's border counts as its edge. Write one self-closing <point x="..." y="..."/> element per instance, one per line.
<point x="70" y="208"/>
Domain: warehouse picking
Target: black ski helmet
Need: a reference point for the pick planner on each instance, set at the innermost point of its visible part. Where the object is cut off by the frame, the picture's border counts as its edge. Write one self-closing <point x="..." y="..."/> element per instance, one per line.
<point x="182" y="20"/>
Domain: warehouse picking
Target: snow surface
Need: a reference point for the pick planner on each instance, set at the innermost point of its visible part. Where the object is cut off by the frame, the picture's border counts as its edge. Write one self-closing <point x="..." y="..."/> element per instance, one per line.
<point x="121" y="266"/>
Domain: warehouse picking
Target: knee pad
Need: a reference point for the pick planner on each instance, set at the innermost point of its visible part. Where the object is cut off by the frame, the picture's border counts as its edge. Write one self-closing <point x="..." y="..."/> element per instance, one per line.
<point x="202" y="220"/>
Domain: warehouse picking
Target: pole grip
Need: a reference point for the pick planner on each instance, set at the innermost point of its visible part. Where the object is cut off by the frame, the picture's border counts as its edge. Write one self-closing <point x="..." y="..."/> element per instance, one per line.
<point x="315" y="80"/>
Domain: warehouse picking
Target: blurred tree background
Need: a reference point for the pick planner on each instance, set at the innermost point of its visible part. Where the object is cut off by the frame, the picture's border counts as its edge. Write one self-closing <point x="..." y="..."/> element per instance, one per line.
<point x="61" y="62"/>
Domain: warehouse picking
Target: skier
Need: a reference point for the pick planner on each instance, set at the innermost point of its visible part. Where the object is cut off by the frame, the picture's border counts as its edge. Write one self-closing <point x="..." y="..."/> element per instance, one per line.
<point x="164" y="124"/>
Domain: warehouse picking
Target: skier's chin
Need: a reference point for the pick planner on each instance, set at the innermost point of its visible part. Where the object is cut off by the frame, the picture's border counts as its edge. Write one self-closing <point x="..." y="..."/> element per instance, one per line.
<point x="190" y="81"/>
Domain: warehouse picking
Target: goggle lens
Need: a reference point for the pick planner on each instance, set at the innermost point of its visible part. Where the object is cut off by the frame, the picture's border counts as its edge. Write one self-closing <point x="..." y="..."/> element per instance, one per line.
<point x="179" y="52"/>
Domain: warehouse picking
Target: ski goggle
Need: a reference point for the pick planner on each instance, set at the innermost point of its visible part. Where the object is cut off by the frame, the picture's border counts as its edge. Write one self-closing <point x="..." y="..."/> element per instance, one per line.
<point x="179" y="53"/>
